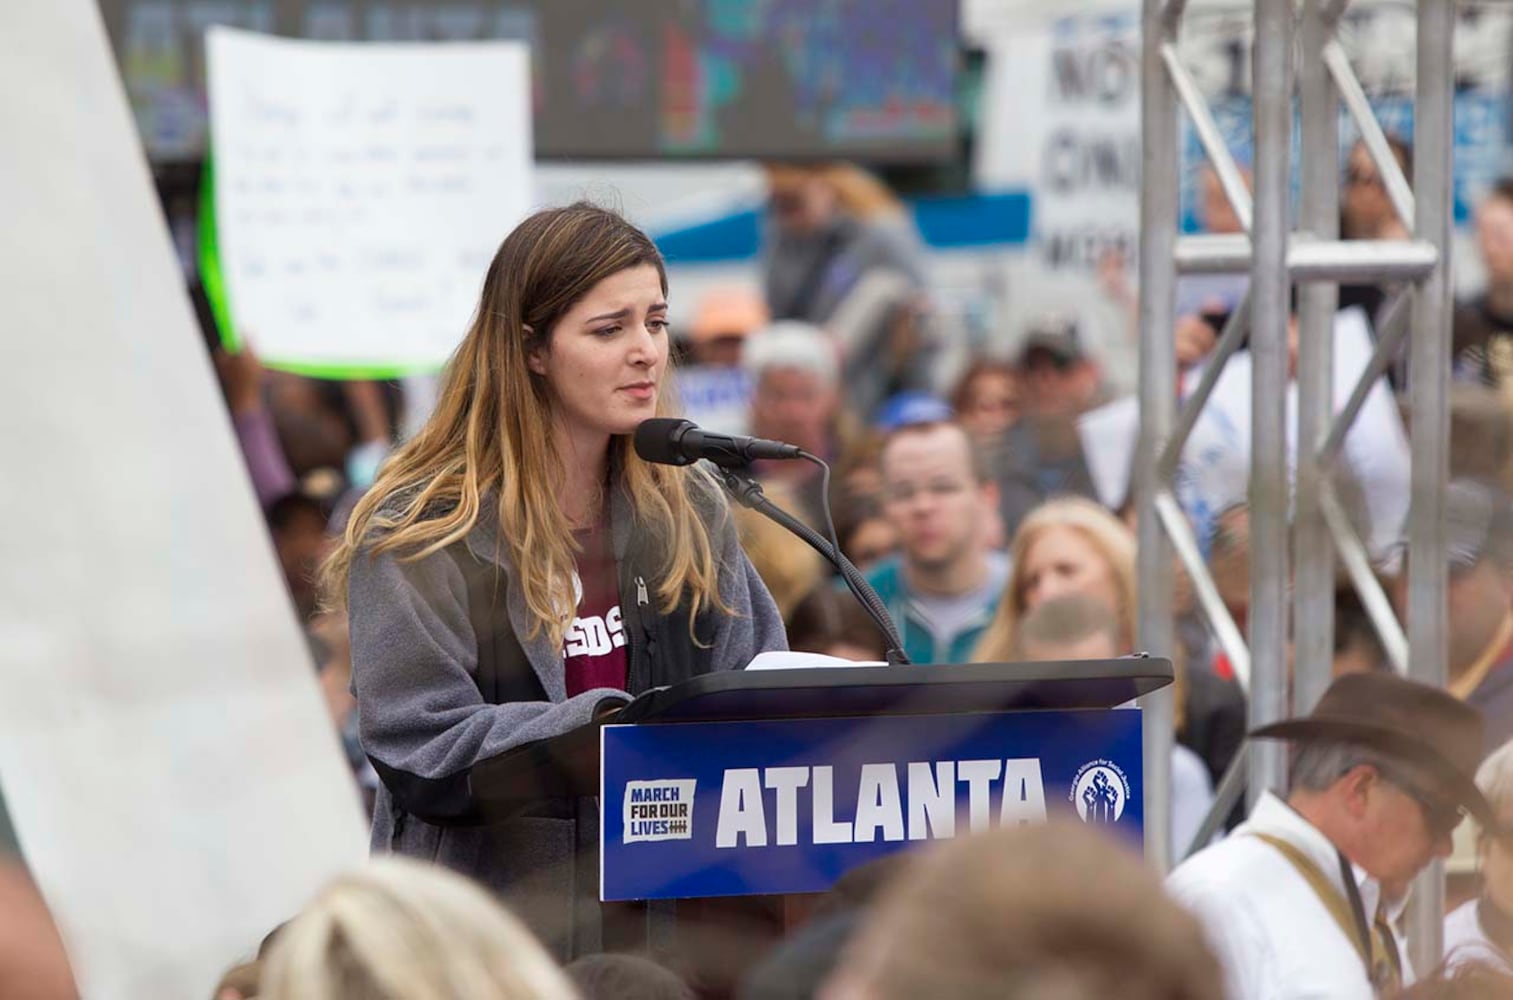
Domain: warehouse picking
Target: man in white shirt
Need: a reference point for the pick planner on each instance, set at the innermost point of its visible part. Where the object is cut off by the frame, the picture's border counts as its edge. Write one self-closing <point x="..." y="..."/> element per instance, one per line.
<point x="1300" y="901"/>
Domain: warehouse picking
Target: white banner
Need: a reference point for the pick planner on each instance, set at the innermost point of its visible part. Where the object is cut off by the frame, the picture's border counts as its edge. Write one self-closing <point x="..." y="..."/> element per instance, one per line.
<point x="1088" y="192"/>
<point x="1061" y="121"/>
<point x="1064" y="95"/>
<point x="172" y="773"/>
<point x="361" y="191"/>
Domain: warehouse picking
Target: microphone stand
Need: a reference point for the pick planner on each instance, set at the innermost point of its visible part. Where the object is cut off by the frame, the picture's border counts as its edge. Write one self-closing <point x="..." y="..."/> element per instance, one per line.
<point x="747" y="492"/>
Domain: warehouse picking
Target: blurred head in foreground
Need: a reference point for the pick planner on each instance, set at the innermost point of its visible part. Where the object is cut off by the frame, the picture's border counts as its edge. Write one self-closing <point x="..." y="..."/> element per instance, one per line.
<point x="1059" y="376"/>
<point x="626" y="977"/>
<point x="1048" y="911"/>
<point x="987" y="398"/>
<point x="398" y="928"/>
<point x="804" y="198"/>
<point x="1471" y="981"/>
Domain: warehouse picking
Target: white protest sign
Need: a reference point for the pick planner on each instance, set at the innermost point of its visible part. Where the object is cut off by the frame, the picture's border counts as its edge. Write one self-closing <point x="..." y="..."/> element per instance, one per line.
<point x="1214" y="468"/>
<point x="174" y="779"/>
<point x="1376" y="448"/>
<point x="717" y="398"/>
<point x="1109" y="436"/>
<point x="1088" y="198"/>
<point x="1062" y="122"/>
<point x="361" y="191"/>
<point x="1064" y="89"/>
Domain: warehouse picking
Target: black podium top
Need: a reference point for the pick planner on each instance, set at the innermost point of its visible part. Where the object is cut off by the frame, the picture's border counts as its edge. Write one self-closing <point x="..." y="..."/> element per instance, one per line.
<point x="834" y="692"/>
<point x="568" y="765"/>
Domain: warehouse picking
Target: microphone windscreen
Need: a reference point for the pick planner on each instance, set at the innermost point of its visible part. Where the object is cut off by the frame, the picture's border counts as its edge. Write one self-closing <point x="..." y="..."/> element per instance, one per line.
<point x="656" y="440"/>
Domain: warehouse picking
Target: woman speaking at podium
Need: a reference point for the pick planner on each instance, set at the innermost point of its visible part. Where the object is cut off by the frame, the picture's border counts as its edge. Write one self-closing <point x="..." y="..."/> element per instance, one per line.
<point x="517" y="571"/>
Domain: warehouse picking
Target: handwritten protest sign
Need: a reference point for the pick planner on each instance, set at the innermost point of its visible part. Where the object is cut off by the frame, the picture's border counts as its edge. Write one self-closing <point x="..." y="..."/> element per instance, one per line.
<point x="360" y="192"/>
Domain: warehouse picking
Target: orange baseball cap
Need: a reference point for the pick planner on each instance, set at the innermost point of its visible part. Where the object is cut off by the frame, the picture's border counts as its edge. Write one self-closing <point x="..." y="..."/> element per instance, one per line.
<point x="728" y="312"/>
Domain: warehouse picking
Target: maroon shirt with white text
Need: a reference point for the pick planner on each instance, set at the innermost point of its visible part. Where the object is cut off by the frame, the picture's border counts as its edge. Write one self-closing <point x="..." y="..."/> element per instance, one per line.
<point x="594" y="649"/>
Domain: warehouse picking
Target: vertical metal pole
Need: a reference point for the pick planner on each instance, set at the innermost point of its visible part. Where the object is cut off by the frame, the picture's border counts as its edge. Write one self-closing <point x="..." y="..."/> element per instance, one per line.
<point x="1429" y="378"/>
<point x="1313" y="589"/>
<point x="1272" y="90"/>
<point x="1159" y="167"/>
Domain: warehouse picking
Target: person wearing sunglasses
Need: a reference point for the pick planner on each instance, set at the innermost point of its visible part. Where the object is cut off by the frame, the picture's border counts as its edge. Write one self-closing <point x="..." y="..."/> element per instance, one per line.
<point x="1366" y="209"/>
<point x="1304" y="898"/>
<point x="1368" y="213"/>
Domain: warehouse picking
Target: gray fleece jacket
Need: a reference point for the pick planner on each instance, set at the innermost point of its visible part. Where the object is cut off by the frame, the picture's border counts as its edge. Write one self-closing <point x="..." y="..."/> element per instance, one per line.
<point x="423" y="718"/>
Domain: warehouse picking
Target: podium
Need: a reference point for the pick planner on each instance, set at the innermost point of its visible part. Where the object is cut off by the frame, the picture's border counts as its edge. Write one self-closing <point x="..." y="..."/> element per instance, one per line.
<point x="768" y="783"/>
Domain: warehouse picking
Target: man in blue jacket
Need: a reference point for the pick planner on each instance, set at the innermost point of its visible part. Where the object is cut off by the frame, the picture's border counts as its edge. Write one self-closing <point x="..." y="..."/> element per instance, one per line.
<point x="943" y="587"/>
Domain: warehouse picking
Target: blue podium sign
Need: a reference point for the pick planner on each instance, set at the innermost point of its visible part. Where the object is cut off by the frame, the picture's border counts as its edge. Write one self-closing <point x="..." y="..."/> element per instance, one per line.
<point x="741" y="808"/>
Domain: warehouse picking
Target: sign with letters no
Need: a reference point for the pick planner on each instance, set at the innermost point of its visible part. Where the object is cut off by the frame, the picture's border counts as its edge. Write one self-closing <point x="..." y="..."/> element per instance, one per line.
<point x="740" y="808"/>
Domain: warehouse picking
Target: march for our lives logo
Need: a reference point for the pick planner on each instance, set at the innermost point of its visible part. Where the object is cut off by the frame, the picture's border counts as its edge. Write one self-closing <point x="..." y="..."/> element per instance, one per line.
<point x="659" y="810"/>
<point x="1100" y="792"/>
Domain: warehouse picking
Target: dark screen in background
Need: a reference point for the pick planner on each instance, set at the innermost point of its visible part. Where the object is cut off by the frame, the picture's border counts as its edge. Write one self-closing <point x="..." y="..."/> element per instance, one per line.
<point x="874" y="80"/>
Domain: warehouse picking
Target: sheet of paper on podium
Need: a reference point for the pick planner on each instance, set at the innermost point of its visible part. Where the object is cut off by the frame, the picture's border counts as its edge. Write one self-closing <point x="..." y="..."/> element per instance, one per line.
<point x="361" y="191"/>
<point x="792" y="659"/>
<point x="170" y="767"/>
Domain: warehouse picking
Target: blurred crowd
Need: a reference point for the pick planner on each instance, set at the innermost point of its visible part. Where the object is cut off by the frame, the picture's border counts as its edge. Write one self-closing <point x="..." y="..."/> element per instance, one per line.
<point x="968" y="497"/>
<point x="979" y="504"/>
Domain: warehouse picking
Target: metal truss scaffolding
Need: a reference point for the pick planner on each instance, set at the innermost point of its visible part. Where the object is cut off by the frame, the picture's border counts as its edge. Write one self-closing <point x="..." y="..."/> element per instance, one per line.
<point x="1276" y="256"/>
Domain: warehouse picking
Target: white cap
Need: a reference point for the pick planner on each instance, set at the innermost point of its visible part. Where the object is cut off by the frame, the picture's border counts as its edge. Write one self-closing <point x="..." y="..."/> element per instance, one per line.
<point x="792" y="343"/>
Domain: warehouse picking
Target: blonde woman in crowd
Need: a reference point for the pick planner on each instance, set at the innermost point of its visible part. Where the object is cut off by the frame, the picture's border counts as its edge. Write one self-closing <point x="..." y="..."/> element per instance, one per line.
<point x="1065" y="546"/>
<point x="1482" y="929"/>
<point x="1072" y="546"/>
<point x="828" y="226"/>
<point x="841" y="252"/>
<point x="399" y="928"/>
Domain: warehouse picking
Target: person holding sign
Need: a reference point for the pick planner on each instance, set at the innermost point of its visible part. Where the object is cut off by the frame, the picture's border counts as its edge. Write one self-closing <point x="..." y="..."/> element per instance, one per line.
<point x="516" y="571"/>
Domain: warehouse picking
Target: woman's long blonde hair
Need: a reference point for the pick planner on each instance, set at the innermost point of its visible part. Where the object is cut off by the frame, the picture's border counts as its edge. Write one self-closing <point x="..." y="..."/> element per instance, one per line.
<point x="1104" y="531"/>
<point x="489" y="439"/>
<point x="400" y="928"/>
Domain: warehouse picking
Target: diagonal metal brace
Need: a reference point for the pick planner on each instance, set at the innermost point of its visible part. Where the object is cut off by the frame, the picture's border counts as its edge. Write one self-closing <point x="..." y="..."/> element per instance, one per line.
<point x="1394" y="328"/>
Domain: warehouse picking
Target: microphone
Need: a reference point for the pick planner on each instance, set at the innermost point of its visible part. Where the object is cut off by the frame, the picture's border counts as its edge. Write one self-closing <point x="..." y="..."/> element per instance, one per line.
<point x="670" y="441"/>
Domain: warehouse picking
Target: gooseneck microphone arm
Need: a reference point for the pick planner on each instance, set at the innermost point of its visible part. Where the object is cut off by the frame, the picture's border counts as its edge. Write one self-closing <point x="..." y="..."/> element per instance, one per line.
<point x="673" y="441"/>
<point x="748" y="493"/>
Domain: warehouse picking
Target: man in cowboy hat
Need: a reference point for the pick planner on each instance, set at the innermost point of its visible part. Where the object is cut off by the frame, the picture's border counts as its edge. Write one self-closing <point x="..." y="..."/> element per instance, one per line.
<point x="1300" y="900"/>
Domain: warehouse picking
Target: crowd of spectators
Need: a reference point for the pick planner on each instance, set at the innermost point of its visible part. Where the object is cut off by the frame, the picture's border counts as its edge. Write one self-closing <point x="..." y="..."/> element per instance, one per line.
<point x="967" y="498"/>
